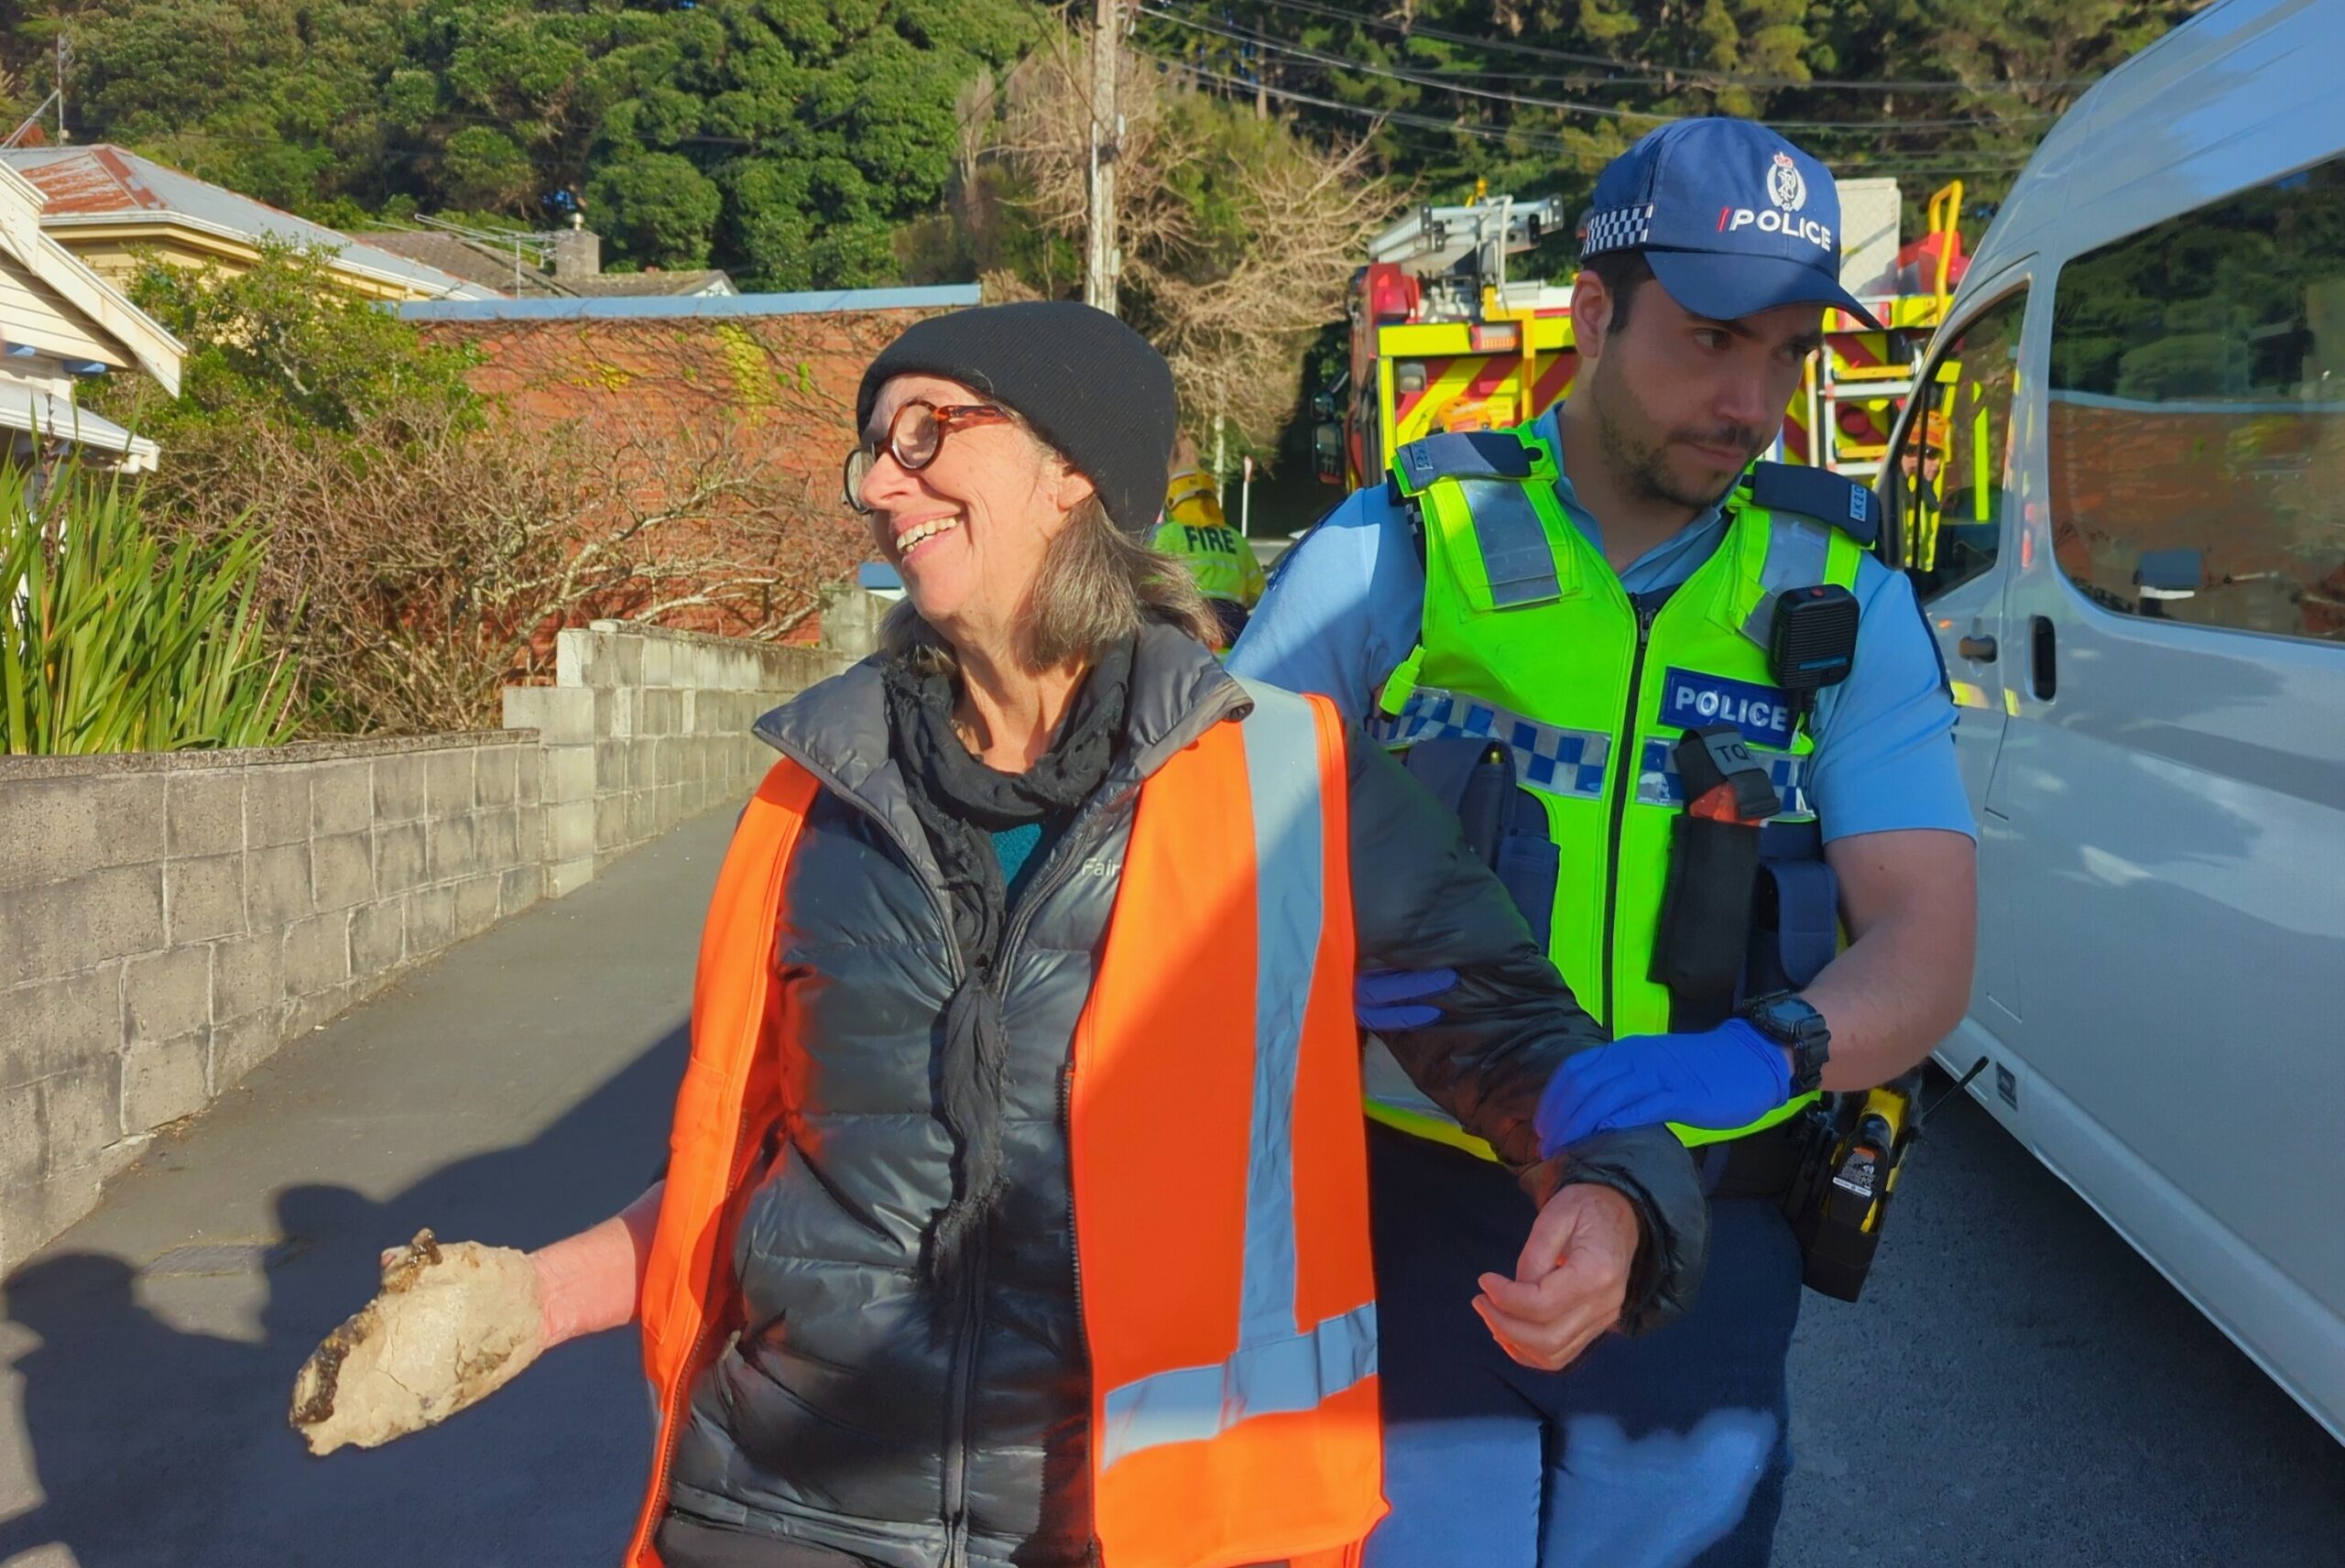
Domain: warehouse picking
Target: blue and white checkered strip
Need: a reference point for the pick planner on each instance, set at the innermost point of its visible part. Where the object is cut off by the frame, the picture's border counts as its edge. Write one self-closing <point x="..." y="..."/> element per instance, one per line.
<point x="1560" y="761"/>
<point x="1617" y="228"/>
<point x="1659" y="784"/>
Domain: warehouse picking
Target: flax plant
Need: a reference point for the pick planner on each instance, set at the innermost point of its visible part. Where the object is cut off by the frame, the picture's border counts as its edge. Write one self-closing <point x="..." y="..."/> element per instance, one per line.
<point x="112" y="639"/>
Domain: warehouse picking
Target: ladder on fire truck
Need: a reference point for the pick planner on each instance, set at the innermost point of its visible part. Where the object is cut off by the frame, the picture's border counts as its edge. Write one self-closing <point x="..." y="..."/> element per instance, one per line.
<point x="1443" y="340"/>
<point x="1844" y="379"/>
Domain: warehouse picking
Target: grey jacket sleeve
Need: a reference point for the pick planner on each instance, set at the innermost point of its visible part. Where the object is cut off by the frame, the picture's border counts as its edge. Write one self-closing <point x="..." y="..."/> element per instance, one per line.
<point x="1422" y="901"/>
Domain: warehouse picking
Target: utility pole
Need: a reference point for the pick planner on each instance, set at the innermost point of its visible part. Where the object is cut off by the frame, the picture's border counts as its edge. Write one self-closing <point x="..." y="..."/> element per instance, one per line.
<point x="1100" y="262"/>
<point x="62" y="138"/>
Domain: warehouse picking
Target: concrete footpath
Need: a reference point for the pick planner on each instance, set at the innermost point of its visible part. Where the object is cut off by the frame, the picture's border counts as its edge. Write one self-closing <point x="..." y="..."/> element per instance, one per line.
<point x="514" y="1090"/>
<point x="2017" y="1386"/>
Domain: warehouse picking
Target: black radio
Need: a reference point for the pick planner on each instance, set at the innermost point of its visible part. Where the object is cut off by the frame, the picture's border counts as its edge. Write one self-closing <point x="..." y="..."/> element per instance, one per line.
<point x="1814" y="643"/>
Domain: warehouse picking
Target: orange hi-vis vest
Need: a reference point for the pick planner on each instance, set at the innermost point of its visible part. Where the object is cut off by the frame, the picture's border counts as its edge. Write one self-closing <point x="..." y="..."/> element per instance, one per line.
<point x="1220" y="1174"/>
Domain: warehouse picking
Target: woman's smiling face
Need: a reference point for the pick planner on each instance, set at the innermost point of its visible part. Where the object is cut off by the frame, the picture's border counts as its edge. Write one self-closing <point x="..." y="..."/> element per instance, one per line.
<point x="968" y="531"/>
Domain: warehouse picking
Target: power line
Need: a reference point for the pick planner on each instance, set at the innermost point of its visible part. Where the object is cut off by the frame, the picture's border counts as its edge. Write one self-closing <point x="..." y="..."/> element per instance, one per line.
<point x="1605" y="111"/>
<point x="1686" y="76"/>
<point x="1533" y="140"/>
<point x="1303" y="51"/>
<point x="1396" y="116"/>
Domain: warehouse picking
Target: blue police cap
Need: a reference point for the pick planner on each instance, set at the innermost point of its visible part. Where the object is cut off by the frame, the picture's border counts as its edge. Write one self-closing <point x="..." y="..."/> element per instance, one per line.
<point x="1734" y="219"/>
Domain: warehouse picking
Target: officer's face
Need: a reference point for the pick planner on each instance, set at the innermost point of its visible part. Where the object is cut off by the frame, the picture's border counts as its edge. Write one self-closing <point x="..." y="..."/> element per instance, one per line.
<point x="1684" y="403"/>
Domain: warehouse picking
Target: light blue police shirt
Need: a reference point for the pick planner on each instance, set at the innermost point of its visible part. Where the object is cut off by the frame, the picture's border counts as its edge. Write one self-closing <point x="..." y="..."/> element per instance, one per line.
<point x="1345" y="606"/>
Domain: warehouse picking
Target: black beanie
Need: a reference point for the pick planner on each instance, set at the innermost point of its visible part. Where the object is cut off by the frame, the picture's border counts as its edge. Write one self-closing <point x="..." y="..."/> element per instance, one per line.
<point x="1092" y="387"/>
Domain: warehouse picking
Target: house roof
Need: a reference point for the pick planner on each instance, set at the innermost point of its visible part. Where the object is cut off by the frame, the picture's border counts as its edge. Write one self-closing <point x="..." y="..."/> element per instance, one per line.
<point x="491" y="266"/>
<point x="472" y="260"/>
<point x="947" y="298"/>
<point x="101" y="183"/>
<point x="42" y="414"/>
<point x="72" y="281"/>
<point x="654" y="282"/>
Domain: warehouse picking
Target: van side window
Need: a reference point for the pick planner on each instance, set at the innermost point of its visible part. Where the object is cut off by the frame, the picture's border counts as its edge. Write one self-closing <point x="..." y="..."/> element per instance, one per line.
<point x="2197" y="430"/>
<point x="1951" y="470"/>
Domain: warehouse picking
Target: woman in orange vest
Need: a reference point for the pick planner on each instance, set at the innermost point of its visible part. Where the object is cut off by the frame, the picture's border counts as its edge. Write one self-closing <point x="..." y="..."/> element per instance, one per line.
<point x="1016" y="1209"/>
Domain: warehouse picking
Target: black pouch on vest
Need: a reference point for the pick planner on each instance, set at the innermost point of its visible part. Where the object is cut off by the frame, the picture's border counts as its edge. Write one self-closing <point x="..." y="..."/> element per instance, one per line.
<point x="1505" y="826"/>
<point x="1705" y="929"/>
<point x="1704" y="919"/>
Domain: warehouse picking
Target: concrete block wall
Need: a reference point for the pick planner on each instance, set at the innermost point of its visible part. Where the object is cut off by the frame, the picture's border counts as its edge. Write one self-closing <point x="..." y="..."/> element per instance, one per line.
<point x="645" y="727"/>
<point x="168" y="920"/>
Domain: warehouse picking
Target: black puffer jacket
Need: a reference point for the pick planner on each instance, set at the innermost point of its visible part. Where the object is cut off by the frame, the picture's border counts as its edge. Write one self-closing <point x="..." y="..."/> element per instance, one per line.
<point x="854" y="1410"/>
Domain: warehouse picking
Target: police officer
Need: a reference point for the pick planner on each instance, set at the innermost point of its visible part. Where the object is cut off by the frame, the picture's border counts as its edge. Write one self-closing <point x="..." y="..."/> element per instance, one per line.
<point x="1195" y="532"/>
<point x="1563" y="601"/>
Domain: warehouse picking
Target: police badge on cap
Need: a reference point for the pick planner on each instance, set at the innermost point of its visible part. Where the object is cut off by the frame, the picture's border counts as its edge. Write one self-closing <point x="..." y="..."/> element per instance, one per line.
<point x="1733" y="219"/>
<point x="1785" y="188"/>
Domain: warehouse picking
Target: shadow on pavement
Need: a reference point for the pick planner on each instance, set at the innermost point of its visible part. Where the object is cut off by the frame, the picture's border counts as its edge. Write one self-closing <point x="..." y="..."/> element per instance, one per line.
<point x="155" y="1445"/>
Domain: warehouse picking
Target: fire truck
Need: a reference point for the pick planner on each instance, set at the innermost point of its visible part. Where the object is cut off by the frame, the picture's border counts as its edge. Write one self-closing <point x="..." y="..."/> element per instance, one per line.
<point x="1442" y="339"/>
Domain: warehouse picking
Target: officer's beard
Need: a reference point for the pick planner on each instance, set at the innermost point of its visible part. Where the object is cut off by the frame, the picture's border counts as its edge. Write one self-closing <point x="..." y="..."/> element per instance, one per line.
<point x="1641" y="462"/>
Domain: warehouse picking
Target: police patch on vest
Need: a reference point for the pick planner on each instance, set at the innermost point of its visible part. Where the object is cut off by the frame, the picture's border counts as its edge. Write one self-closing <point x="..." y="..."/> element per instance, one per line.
<point x="1763" y="714"/>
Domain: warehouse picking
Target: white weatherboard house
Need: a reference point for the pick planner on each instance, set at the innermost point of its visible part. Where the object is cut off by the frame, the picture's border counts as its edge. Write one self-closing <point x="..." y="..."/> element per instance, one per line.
<point x="60" y="323"/>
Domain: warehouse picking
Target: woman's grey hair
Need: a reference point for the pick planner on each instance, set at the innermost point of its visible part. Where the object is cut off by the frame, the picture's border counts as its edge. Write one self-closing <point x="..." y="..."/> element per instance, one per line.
<point x="1098" y="585"/>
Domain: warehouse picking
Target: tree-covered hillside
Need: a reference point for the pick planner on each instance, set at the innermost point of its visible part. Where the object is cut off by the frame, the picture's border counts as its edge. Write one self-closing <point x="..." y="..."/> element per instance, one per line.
<point x="793" y="140"/>
<point x="1535" y="95"/>
<point x="785" y="139"/>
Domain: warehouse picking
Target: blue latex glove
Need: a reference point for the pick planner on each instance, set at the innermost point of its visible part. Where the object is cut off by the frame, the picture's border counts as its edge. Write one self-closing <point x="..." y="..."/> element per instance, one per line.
<point x="1389" y="999"/>
<point x="1724" y="1077"/>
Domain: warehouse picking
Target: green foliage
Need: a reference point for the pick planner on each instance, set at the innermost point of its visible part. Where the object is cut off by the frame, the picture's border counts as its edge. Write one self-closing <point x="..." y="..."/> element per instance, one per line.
<point x="657" y="208"/>
<point x="1924" y="89"/>
<point x="792" y="141"/>
<point x="113" y="639"/>
<point x="782" y="139"/>
<point x="275" y="98"/>
<point x="279" y="343"/>
<point x="483" y="167"/>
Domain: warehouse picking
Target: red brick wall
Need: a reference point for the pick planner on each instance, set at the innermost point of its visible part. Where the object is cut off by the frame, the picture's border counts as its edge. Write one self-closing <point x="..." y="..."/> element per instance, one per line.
<point x="769" y="401"/>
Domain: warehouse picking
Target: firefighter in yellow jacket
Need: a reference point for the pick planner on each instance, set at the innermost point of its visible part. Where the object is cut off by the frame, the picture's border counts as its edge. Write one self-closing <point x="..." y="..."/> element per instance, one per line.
<point x="1195" y="532"/>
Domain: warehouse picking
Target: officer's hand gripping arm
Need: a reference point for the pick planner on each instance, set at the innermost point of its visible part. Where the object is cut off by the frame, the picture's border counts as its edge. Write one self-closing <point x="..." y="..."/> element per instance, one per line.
<point x="1424" y="903"/>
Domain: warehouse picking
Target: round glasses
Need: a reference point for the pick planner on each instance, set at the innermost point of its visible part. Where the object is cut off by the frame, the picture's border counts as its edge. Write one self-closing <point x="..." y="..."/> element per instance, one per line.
<point x="914" y="436"/>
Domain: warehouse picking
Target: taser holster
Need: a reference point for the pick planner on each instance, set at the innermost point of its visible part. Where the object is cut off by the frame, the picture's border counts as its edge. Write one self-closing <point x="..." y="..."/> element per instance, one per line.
<point x="1700" y="950"/>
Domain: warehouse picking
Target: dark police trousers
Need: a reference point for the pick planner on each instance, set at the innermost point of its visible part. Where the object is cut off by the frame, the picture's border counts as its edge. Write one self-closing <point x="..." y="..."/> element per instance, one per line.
<point x="1669" y="1451"/>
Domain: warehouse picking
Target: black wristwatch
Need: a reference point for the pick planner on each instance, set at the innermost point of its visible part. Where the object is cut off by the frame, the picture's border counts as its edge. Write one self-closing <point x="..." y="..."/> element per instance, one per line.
<point x="1792" y="1023"/>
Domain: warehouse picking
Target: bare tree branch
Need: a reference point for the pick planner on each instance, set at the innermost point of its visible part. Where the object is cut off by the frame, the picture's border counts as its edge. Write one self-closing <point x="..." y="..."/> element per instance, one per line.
<point x="1233" y="306"/>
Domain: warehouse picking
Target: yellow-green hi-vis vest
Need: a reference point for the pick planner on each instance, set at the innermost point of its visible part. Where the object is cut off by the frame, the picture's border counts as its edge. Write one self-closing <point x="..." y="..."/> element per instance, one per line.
<point x="1194" y="530"/>
<point x="1529" y="641"/>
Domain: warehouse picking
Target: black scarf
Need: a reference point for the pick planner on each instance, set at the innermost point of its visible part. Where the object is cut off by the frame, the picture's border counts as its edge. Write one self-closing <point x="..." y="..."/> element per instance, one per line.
<point x="961" y="801"/>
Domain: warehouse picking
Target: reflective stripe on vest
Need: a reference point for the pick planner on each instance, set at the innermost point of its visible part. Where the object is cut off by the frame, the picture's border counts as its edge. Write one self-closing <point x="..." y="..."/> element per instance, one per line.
<point x="1226" y="1286"/>
<point x="1218" y="1163"/>
<point x="1542" y="657"/>
<point x="1659" y="784"/>
<point x="1565" y="762"/>
<point x="1275" y="1369"/>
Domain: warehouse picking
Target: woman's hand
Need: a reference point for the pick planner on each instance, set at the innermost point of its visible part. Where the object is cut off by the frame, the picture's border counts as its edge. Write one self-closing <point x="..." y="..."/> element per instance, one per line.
<point x="451" y="1326"/>
<point x="593" y="1281"/>
<point x="1571" y="1282"/>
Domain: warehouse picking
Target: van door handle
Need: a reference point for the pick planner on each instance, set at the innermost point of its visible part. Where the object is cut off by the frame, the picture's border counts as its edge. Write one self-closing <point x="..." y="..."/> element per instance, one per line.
<point x="1982" y="648"/>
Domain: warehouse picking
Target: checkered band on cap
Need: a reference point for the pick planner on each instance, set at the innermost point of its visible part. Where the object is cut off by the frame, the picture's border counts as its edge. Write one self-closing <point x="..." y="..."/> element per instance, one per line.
<point x="1617" y="228"/>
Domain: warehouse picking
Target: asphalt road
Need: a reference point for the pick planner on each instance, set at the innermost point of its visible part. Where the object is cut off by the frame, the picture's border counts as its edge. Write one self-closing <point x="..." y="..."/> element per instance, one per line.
<point x="2017" y="1388"/>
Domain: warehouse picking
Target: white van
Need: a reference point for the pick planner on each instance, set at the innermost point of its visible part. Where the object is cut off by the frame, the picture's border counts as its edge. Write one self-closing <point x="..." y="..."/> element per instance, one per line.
<point x="2123" y="489"/>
